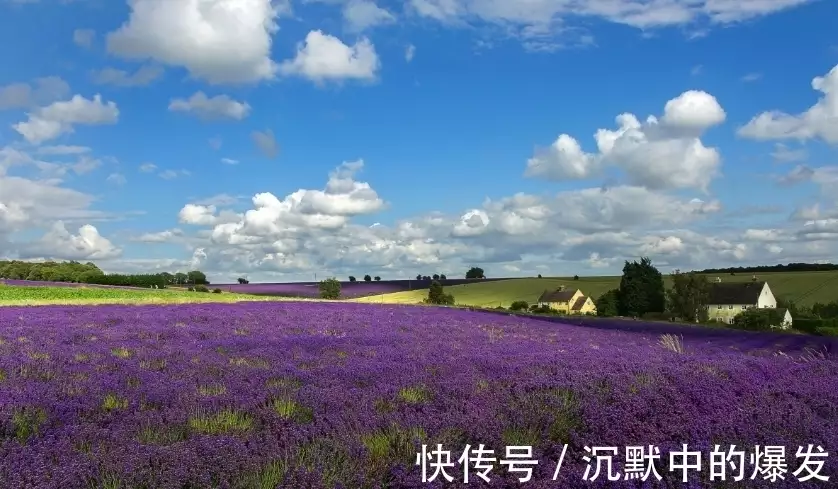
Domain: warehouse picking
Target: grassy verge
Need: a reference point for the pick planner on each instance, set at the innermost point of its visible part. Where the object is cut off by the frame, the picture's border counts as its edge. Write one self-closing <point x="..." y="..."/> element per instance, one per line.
<point x="33" y="296"/>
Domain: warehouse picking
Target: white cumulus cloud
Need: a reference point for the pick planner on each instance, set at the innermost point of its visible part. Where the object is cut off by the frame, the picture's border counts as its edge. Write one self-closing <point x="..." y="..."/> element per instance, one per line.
<point x="322" y="57"/>
<point x="218" y="107"/>
<point x="52" y="121"/>
<point x="220" y="41"/>
<point x="658" y="154"/>
<point x="819" y="121"/>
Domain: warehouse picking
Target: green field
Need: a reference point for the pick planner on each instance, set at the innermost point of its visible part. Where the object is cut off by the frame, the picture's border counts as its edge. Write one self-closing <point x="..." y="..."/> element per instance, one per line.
<point x="805" y="288"/>
<point x="31" y="296"/>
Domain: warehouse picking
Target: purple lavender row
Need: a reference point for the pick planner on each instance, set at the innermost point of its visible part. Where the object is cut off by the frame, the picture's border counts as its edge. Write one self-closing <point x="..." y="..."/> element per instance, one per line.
<point x="316" y="395"/>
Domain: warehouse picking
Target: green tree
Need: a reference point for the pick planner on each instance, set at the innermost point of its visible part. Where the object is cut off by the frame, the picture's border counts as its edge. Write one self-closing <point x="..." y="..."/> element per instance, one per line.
<point x="377" y="278"/>
<point x="576" y="277"/>
<point x="436" y="295"/>
<point x="519" y="306"/>
<point x="436" y="276"/>
<point x="352" y="278"/>
<point x="419" y="277"/>
<point x="197" y="277"/>
<point x="475" y="272"/>
<point x="823" y="311"/>
<point x="180" y="278"/>
<point x="443" y="277"/>
<point x="608" y="304"/>
<point x="367" y="278"/>
<point x="641" y="289"/>
<point x="329" y="288"/>
<point x="688" y="296"/>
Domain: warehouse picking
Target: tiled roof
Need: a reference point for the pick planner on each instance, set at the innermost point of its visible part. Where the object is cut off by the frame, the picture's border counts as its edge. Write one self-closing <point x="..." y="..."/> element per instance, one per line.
<point x="735" y="293"/>
<point x="579" y="303"/>
<point x="557" y="296"/>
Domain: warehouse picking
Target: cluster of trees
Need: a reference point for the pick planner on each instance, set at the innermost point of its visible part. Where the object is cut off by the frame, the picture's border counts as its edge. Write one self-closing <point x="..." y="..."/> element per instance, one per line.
<point x="89" y="273"/>
<point x="428" y="278"/>
<point x="641" y="292"/>
<point x="820" y="319"/>
<point x="367" y="278"/>
<point x="791" y="267"/>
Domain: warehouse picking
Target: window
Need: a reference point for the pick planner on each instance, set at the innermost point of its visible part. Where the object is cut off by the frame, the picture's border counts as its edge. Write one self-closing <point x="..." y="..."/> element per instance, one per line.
<point x="730" y="306"/>
<point x="718" y="307"/>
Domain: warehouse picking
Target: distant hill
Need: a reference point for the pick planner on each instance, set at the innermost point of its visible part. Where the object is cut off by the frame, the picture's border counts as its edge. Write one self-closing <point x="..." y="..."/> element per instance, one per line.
<point x="791" y="267"/>
<point x="805" y="288"/>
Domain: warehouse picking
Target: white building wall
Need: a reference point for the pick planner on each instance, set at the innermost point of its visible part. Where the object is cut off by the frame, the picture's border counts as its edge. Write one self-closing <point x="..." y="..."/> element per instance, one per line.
<point x="766" y="298"/>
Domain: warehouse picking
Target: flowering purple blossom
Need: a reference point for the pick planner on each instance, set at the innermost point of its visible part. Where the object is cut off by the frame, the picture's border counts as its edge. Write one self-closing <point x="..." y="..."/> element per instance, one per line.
<point x="256" y="395"/>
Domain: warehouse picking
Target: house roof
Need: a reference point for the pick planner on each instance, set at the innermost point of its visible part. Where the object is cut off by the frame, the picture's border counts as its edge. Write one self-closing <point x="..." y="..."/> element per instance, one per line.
<point x="735" y="293"/>
<point x="577" y="306"/>
<point x="557" y="296"/>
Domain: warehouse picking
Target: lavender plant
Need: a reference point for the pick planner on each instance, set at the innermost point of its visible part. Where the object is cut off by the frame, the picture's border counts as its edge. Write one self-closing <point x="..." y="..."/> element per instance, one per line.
<point x="327" y="395"/>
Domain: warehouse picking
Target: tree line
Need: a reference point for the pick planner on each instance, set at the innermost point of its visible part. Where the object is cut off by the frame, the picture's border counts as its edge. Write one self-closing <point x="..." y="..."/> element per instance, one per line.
<point x="89" y="273"/>
<point x="472" y="273"/>
<point x="791" y="267"/>
<point x="367" y="278"/>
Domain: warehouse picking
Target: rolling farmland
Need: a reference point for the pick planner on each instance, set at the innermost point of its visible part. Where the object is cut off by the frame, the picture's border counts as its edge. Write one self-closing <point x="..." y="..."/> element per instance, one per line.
<point x="805" y="288"/>
<point x="52" y="294"/>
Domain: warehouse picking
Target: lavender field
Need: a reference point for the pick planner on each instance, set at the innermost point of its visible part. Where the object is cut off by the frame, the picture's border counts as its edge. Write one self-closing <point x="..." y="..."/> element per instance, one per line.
<point x="315" y="395"/>
<point x="349" y="290"/>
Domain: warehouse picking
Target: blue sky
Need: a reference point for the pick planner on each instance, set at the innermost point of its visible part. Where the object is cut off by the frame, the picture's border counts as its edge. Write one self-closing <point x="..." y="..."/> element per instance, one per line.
<point x="283" y="139"/>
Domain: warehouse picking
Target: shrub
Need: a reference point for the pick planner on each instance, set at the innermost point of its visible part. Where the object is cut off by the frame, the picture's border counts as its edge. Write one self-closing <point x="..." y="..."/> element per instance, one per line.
<point x="201" y="288"/>
<point x="808" y="325"/>
<point x="827" y="331"/>
<point x="191" y="289"/>
<point x="519" y="306"/>
<point x="437" y="296"/>
<point x="758" y="319"/>
<point x="216" y="290"/>
<point x="329" y="288"/>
